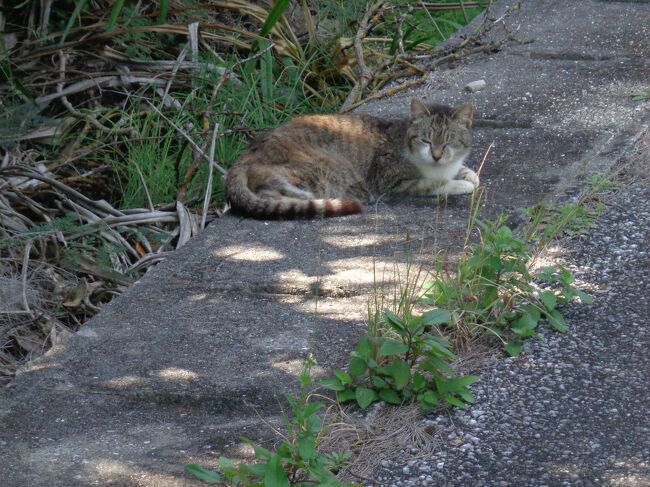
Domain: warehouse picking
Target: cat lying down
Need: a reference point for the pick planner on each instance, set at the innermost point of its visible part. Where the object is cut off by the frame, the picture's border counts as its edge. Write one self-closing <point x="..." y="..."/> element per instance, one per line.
<point x="325" y="165"/>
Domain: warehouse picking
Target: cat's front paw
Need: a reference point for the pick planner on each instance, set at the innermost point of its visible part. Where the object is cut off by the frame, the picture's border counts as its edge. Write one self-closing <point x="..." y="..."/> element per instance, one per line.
<point x="466" y="174"/>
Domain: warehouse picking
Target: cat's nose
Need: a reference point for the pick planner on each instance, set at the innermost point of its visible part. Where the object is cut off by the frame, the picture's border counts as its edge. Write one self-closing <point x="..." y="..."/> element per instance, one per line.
<point x="436" y="154"/>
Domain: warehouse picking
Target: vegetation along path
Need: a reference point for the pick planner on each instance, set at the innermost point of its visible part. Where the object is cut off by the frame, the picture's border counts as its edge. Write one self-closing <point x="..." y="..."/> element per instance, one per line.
<point x="202" y="348"/>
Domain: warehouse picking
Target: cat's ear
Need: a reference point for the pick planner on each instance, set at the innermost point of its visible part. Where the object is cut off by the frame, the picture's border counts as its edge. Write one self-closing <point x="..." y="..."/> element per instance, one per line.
<point x="463" y="115"/>
<point x="419" y="109"/>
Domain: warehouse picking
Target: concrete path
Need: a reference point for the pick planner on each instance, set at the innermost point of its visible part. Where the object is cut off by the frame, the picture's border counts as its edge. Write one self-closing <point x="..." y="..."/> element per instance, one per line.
<point x="192" y="356"/>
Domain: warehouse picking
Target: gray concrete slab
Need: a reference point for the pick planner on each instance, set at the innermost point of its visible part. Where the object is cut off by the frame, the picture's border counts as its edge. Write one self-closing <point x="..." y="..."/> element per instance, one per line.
<point x="203" y="347"/>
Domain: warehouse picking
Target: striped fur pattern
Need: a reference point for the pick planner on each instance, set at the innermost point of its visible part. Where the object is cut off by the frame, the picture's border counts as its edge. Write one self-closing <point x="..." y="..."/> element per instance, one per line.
<point x="325" y="165"/>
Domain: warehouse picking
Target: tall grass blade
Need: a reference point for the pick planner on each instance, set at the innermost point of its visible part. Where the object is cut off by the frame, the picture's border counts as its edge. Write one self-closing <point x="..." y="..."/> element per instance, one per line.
<point x="273" y="17"/>
<point x="75" y="14"/>
<point x="266" y="76"/>
<point x="115" y="13"/>
<point x="162" y="13"/>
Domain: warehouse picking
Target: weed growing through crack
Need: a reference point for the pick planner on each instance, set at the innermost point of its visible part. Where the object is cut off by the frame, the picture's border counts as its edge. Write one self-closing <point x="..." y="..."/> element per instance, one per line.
<point x="416" y="366"/>
<point x="296" y="461"/>
<point x="642" y="95"/>
<point x="494" y="291"/>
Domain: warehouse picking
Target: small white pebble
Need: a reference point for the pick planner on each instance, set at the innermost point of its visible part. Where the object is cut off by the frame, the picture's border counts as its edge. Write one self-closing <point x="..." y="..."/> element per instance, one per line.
<point x="474" y="86"/>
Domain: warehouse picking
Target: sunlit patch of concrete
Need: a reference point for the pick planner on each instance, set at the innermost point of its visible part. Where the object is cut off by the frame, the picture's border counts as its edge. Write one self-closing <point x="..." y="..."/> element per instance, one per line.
<point x="126" y="381"/>
<point x="251" y="252"/>
<point x="599" y="112"/>
<point x="295" y="367"/>
<point x="108" y="470"/>
<point x="178" y="374"/>
<point x="359" y="242"/>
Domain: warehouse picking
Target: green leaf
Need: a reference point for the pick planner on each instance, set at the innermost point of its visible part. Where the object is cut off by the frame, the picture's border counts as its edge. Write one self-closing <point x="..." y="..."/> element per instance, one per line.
<point x="307" y="447"/>
<point x="378" y="382"/>
<point x="549" y="300"/>
<point x="357" y="367"/>
<point x="556" y="320"/>
<point x="439" y="346"/>
<point x="256" y="469"/>
<point x="365" y="397"/>
<point x="436" y="317"/>
<point x="332" y="383"/>
<point x="513" y="347"/>
<point x="203" y="474"/>
<point x="365" y="348"/>
<point x="115" y="13"/>
<point x="389" y="396"/>
<point x="346" y="395"/>
<point x="436" y="365"/>
<point x="273" y="17"/>
<point x="419" y="382"/>
<point x="275" y="475"/>
<point x="226" y="463"/>
<point x="524" y="326"/>
<point x="392" y="347"/>
<point x="75" y="14"/>
<point x="162" y="12"/>
<point x="395" y="322"/>
<point x="314" y="423"/>
<point x="455" y="402"/>
<point x="468" y="380"/>
<point x="430" y="399"/>
<point x="400" y="371"/>
<point x="344" y="377"/>
<point x="584" y="297"/>
<point x="311" y="408"/>
<point x="260" y="451"/>
<point x="466" y="395"/>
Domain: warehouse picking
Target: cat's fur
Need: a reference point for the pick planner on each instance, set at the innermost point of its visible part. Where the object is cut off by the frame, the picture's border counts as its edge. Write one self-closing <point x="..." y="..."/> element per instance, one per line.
<point x="325" y="164"/>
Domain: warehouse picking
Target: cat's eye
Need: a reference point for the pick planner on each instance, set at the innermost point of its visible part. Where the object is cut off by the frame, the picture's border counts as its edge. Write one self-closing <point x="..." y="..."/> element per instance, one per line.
<point x="425" y="141"/>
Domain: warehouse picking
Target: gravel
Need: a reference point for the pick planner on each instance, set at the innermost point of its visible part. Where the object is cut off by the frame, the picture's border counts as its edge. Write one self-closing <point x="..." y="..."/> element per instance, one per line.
<point x="574" y="409"/>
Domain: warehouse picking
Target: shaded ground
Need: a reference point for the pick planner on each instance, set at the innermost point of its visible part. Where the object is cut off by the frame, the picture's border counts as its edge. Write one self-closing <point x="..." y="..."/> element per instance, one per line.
<point x="180" y="366"/>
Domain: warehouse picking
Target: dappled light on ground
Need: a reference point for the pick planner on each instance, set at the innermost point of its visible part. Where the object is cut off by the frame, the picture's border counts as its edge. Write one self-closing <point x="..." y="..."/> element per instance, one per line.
<point x="361" y="241"/>
<point x="177" y="374"/>
<point x="126" y="381"/>
<point x="198" y="297"/>
<point x="249" y="253"/>
<point x="599" y="113"/>
<point x="108" y="470"/>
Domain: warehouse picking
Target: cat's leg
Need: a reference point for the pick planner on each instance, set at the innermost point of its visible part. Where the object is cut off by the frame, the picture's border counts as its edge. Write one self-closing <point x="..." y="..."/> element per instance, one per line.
<point x="455" y="186"/>
<point x="289" y="189"/>
<point x="466" y="174"/>
<point x="429" y="187"/>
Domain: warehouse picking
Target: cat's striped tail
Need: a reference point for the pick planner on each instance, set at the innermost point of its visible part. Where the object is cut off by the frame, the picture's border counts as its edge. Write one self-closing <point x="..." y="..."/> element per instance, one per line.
<point x="244" y="201"/>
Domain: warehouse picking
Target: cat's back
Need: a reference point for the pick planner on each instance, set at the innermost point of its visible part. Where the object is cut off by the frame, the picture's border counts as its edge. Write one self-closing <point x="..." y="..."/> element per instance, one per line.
<point x="331" y="132"/>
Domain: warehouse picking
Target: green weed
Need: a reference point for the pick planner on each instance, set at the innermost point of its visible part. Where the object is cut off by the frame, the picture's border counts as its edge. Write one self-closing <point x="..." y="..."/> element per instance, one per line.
<point x="415" y="366"/>
<point x="549" y="221"/>
<point x="495" y="292"/>
<point x="601" y="184"/>
<point x="296" y="461"/>
<point x="642" y="95"/>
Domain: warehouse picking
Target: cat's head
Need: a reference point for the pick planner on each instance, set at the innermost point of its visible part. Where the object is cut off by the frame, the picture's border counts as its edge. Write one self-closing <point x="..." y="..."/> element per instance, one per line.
<point x="439" y="135"/>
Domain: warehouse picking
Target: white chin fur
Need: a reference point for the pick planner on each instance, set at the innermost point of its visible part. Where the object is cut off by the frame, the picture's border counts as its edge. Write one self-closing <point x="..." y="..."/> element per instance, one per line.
<point x="444" y="170"/>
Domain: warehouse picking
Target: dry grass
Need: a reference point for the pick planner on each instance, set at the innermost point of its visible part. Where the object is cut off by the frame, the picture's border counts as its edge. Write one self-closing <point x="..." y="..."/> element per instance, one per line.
<point x="374" y="435"/>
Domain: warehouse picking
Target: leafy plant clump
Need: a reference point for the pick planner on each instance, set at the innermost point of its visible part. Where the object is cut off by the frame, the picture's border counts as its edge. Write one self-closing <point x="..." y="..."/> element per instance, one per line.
<point x="641" y="95"/>
<point x="296" y="461"/>
<point x="496" y="292"/>
<point x="413" y="366"/>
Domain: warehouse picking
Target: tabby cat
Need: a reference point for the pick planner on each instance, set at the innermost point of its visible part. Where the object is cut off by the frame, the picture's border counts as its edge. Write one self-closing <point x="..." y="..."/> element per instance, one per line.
<point x="326" y="164"/>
